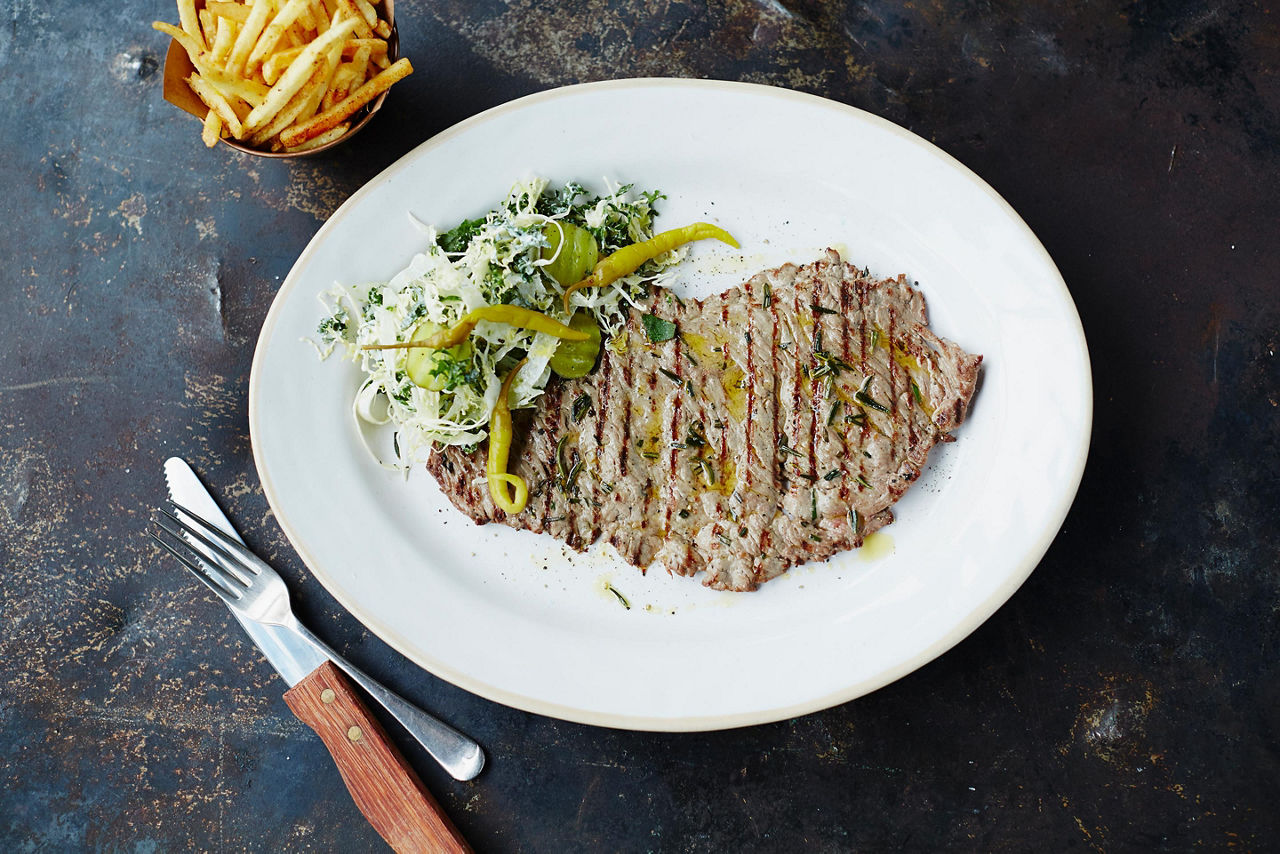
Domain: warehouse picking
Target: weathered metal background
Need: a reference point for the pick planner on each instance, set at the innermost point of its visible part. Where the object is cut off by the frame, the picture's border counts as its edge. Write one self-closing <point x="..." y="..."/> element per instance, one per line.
<point x="1127" y="698"/>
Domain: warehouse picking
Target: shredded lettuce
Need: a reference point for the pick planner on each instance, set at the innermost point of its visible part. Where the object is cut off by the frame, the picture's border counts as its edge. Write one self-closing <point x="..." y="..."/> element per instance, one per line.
<point x="492" y="260"/>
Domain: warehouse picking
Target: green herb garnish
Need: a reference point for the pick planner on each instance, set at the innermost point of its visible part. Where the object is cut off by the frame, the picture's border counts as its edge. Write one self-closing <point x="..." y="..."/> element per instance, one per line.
<point x="581" y="406"/>
<point x="621" y="598"/>
<point x="657" y="328"/>
<point x="457" y="238"/>
<point x="867" y="400"/>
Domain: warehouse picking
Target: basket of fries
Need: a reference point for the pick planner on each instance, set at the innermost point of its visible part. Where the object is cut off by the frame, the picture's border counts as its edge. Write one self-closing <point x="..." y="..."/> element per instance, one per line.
<point x="282" y="78"/>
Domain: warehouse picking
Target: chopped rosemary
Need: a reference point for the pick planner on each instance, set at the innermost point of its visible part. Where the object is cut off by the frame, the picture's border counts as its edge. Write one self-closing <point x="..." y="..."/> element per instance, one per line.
<point x="671" y="375"/>
<point x="708" y="473"/>
<point x="722" y="538"/>
<point x="855" y="522"/>
<point x="649" y="455"/>
<point x="875" y="338"/>
<point x="621" y="598"/>
<point x="829" y="363"/>
<point x="562" y="464"/>
<point x="580" y="406"/>
<point x="915" y="392"/>
<point x="835" y="409"/>
<point x="695" y="437"/>
<point x="822" y="309"/>
<point x="787" y="449"/>
<point x="833" y="474"/>
<point x="813" y="504"/>
<point x="570" y="483"/>
<point x="767" y="299"/>
<point x="683" y="514"/>
<point x="867" y="400"/>
<point x="863" y="482"/>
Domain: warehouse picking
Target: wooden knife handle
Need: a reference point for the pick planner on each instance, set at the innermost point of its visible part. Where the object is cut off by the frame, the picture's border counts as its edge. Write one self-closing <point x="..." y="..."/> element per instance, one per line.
<point x="383" y="785"/>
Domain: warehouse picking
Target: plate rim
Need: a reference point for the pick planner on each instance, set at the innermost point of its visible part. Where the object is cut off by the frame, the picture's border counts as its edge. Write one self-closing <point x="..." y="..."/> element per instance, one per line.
<point x="686" y="723"/>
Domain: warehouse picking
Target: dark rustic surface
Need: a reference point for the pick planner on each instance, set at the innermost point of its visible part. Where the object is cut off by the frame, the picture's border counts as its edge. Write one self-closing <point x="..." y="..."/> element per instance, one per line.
<point x="1127" y="698"/>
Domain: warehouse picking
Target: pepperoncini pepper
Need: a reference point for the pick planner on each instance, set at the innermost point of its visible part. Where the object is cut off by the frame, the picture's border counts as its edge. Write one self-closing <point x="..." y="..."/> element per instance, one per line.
<point x="628" y="259"/>
<point x="500" y="433"/>
<point x="512" y="315"/>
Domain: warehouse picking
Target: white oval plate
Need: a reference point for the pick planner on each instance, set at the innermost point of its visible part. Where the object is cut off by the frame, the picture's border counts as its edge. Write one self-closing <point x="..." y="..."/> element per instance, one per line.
<point x="516" y="617"/>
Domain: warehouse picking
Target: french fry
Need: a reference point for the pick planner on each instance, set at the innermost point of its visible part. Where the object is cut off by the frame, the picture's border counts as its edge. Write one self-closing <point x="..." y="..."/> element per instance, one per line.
<point x="253" y="26"/>
<point x="272" y="32"/>
<point x="307" y="96"/>
<point x="305" y="19"/>
<point x="225" y="41"/>
<point x="325" y="138"/>
<point x="320" y="16"/>
<point x="367" y="11"/>
<point x="348" y="8"/>
<point x="276" y="64"/>
<point x="208" y="27"/>
<point x="211" y="131"/>
<point x="377" y="47"/>
<point x="214" y="101"/>
<point x="250" y="90"/>
<point x="190" y="21"/>
<point x="360" y="63"/>
<point x="180" y="36"/>
<point x="231" y="11"/>
<point x="339" y="87"/>
<point x="340" y="112"/>
<point x="299" y="71"/>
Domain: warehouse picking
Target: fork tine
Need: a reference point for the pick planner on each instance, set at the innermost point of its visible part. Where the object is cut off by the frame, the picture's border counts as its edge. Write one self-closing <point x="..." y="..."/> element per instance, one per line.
<point x="197" y="567"/>
<point x="217" y="557"/>
<point x="233" y="546"/>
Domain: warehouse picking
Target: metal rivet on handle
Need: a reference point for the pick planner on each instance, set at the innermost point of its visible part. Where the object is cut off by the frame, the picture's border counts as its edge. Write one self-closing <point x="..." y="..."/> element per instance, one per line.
<point x="327" y="696"/>
<point x="354" y="733"/>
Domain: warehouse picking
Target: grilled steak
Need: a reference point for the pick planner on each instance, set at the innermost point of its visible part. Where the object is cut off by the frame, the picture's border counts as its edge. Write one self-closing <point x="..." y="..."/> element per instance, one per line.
<point x="777" y="427"/>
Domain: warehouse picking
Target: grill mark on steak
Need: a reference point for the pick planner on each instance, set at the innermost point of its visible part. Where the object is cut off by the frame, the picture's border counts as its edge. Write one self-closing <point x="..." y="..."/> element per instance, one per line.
<point x="756" y="518"/>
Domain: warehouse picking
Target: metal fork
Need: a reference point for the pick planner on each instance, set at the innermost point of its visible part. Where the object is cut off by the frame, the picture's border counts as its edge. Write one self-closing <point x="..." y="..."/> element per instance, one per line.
<point x="254" y="590"/>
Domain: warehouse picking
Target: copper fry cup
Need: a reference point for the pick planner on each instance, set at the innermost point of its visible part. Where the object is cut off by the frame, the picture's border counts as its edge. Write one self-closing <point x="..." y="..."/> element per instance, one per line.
<point x="177" y="67"/>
